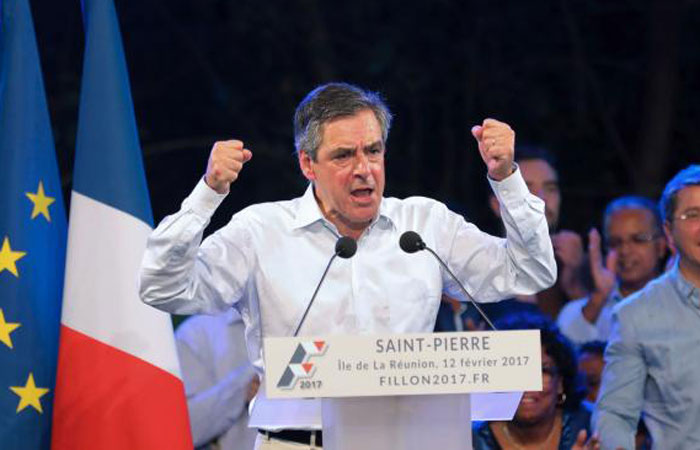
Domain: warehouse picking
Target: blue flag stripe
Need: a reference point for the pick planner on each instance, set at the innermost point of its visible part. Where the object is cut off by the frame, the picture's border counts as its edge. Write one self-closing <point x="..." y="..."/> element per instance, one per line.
<point x="108" y="163"/>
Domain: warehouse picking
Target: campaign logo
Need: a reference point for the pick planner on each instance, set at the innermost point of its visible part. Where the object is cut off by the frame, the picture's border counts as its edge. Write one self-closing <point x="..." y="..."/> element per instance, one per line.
<point x="299" y="366"/>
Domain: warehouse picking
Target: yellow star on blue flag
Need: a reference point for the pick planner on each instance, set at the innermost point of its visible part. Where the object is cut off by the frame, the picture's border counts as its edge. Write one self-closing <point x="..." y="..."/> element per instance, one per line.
<point x="41" y="202"/>
<point x="29" y="394"/>
<point x="9" y="257"/>
<point x="5" y="329"/>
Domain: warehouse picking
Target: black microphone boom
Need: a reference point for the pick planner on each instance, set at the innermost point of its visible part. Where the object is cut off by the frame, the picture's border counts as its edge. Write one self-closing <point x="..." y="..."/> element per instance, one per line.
<point x="411" y="242"/>
<point x="345" y="247"/>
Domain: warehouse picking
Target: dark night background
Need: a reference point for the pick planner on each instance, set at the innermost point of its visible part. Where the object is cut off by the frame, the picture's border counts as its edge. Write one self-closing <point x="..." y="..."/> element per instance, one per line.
<point x="610" y="87"/>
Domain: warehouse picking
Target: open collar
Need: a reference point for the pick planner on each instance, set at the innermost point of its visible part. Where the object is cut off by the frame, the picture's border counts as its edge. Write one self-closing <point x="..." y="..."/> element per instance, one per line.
<point x="309" y="212"/>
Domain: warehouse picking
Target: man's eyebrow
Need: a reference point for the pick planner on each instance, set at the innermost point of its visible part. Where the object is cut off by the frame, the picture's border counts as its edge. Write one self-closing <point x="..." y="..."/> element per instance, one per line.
<point x="374" y="144"/>
<point x="339" y="150"/>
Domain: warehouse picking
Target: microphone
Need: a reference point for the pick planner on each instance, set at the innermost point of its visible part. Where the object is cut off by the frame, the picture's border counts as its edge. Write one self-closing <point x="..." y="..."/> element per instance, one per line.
<point x="411" y="242"/>
<point x="345" y="247"/>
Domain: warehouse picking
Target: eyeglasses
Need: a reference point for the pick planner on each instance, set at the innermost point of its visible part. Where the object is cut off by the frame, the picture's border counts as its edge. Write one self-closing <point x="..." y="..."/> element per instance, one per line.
<point x="636" y="240"/>
<point x="690" y="216"/>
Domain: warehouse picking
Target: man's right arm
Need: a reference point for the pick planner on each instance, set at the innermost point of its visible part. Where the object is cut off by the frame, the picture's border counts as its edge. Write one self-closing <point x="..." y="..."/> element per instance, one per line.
<point x="180" y="276"/>
<point x="622" y="392"/>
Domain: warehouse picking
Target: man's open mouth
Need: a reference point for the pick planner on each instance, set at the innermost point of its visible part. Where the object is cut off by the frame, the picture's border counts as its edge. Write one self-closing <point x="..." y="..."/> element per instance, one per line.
<point x="362" y="193"/>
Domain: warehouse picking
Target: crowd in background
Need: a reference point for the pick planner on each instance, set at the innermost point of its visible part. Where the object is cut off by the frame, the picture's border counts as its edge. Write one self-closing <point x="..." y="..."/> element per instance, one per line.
<point x="642" y="385"/>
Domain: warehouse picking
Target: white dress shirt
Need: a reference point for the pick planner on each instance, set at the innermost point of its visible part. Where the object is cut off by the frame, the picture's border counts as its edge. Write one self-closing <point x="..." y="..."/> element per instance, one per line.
<point x="574" y="325"/>
<point x="267" y="261"/>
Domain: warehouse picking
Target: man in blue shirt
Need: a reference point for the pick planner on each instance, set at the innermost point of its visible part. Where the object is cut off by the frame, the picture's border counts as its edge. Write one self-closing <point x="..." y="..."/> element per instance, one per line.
<point x="652" y="358"/>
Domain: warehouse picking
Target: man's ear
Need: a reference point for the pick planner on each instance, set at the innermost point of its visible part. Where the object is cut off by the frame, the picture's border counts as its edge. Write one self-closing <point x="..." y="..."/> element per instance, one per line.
<point x="669" y="237"/>
<point x="306" y="166"/>
<point x="662" y="246"/>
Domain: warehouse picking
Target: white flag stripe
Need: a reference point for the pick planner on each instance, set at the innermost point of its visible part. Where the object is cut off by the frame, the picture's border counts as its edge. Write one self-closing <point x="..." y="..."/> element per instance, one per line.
<point x="105" y="247"/>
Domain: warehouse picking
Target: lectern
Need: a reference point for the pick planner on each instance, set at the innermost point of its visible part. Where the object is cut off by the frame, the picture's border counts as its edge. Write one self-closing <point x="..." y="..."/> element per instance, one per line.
<point x="409" y="391"/>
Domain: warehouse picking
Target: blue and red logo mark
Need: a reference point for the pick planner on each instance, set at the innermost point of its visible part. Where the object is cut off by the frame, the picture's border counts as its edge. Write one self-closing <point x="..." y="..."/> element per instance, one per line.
<point x="299" y="366"/>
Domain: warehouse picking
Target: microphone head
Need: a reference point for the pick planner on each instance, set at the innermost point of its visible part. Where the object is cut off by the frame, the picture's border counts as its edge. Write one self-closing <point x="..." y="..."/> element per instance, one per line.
<point x="411" y="242"/>
<point x="345" y="247"/>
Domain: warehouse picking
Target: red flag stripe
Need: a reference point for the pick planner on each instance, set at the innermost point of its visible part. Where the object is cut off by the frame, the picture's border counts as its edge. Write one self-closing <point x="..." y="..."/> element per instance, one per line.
<point x="108" y="399"/>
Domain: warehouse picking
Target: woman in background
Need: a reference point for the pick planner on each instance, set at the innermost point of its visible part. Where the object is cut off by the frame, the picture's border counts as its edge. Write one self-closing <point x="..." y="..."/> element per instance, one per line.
<point x="550" y="419"/>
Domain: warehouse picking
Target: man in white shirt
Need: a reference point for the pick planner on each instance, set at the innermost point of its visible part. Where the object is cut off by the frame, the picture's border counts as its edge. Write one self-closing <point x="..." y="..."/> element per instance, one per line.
<point x="636" y="250"/>
<point x="267" y="261"/>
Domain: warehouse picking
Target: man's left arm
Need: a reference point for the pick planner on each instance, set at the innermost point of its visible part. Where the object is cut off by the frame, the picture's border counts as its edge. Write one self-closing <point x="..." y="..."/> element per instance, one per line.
<point x="528" y="247"/>
<point x="523" y="263"/>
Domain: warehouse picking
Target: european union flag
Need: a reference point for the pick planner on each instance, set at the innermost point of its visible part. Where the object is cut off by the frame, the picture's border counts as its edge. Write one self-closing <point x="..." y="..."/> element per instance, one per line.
<point x="32" y="238"/>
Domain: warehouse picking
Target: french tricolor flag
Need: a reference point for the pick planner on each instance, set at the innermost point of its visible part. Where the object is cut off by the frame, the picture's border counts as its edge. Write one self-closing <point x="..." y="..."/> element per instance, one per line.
<point x="118" y="380"/>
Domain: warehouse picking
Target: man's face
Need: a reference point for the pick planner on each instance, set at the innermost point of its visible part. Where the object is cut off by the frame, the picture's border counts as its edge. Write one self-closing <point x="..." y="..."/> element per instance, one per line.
<point x="591" y="366"/>
<point x="685" y="234"/>
<point x="543" y="182"/>
<point x="348" y="173"/>
<point x="639" y="247"/>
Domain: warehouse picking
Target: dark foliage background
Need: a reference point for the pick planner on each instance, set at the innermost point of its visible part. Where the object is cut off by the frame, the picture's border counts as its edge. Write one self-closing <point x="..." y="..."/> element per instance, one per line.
<point x="610" y="87"/>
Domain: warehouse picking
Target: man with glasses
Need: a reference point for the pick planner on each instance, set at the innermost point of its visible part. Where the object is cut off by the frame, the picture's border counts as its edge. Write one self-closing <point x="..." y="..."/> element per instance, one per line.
<point x="635" y="251"/>
<point x="652" y="358"/>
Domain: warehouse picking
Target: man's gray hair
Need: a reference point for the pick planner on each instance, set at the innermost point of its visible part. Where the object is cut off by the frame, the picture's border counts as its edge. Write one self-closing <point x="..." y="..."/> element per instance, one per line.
<point x="632" y="202"/>
<point x="331" y="101"/>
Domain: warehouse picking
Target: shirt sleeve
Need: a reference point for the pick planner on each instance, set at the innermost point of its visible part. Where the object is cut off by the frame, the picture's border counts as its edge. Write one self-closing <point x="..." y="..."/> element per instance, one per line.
<point x="180" y="276"/>
<point x="622" y="391"/>
<point x="574" y="326"/>
<point x="214" y="404"/>
<point x="523" y="263"/>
